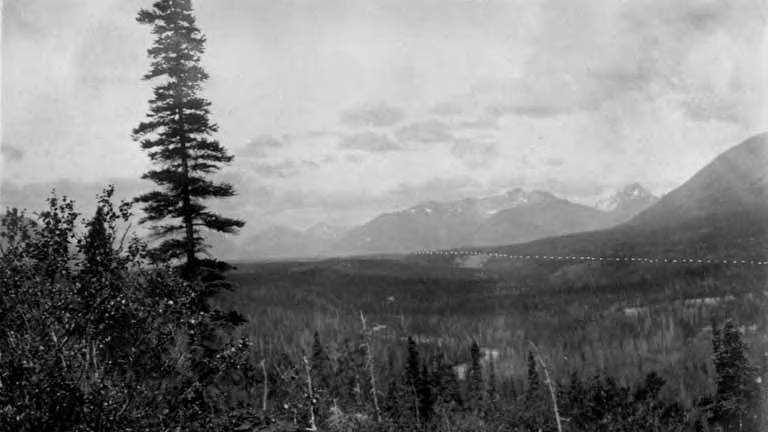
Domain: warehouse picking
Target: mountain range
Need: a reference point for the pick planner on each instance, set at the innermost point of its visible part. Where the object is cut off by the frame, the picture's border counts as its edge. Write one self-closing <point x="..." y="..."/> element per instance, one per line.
<point x="512" y="217"/>
<point x="721" y="212"/>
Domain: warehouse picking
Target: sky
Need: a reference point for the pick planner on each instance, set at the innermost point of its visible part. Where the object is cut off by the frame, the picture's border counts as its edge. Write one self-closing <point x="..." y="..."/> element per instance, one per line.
<point x="338" y="110"/>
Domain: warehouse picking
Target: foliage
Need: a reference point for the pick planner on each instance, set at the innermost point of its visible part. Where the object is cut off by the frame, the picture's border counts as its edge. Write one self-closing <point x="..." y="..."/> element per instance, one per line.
<point x="737" y="400"/>
<point x="95" y="337"/>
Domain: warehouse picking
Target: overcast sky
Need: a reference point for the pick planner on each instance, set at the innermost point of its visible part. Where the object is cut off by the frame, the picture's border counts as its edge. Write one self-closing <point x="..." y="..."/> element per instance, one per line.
<point x="338" y="110"/>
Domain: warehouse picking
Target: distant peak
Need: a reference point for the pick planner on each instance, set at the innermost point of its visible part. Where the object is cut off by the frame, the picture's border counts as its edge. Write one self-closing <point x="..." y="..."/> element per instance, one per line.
<point x="635" y="189"/>
<point x="633" y="195"/>
<point x="520" y="194"/>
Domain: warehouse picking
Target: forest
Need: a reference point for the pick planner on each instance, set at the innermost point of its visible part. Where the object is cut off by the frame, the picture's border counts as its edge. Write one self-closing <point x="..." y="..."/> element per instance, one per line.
<point x="98" y="334"/>
<point x="109" y="328"/>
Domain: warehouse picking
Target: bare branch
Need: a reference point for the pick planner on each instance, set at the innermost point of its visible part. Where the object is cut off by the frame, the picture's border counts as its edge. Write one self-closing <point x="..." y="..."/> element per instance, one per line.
<point x="550" y="385"/>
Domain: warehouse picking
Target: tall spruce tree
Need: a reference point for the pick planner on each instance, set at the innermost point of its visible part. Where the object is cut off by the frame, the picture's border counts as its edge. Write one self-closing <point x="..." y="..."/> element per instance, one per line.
<point x="178" y="137"/>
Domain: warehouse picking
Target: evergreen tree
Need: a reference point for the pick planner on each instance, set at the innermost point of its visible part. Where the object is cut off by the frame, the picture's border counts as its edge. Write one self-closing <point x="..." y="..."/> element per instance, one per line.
<point x="349" y="384"/>
<point x="443" y="381"/>
<point x="425" y="394"/>
<point x="475" y="379"/>
<point x="322" y="379"/>
<point x="493" y="394"/>
<point x="322" y="370"/>
<point x="399" y="406"/>
<point x="178" y="136"/>
<point x="416" y="383"/>
<point x="533" y="377"/>
<point x="736" y="406"/>
<point x="412" y="369"/>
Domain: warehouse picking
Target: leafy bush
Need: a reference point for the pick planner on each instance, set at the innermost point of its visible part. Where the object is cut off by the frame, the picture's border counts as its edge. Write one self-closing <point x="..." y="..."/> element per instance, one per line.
<point x="95" y="336"/>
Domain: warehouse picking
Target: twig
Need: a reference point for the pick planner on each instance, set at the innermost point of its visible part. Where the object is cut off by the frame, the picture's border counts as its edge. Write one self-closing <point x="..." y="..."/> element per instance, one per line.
<point x="371" y="370"/>
<point x="550" y="385"/>
<point x="266" y="389"/>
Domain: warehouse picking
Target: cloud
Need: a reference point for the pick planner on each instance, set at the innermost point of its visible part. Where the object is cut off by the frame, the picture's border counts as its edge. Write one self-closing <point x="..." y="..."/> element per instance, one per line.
<point x="370" y="142"/>
<point x="379" y="115"/>
<point x="354" y="158"/>
<point x="309" y="164"/>
<point x="427" y="131"/>
<point x="282" y="169"/>
<point x="526" y="110"/>
<point x="707" y="108"/>
<point x="313" y="134"/>
<point x="554" y="161"/>
<point x="436" y="189"/>
<point x="32" y="196"/>
<point x="11" y="153"/>
<point x="475" y="153"/>
<point x="479" y="123"/>
<point x="260" y="146"/>
<point x="447" y="109"/>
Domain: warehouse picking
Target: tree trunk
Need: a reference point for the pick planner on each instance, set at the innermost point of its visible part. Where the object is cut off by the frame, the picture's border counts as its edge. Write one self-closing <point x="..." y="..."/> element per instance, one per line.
<point x="189" y="229"/>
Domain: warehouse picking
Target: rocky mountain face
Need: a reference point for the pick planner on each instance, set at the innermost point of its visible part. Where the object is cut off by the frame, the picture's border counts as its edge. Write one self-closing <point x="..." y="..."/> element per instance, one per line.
<point x="626" y="203"/>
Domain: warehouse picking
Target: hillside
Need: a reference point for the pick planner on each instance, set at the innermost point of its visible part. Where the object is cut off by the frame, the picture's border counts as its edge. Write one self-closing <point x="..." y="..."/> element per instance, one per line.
<point x="735" y="184"/>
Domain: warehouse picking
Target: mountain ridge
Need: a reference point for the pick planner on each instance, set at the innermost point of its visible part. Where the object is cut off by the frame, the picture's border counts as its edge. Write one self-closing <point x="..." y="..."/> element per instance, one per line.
<point x="721" y="211"/>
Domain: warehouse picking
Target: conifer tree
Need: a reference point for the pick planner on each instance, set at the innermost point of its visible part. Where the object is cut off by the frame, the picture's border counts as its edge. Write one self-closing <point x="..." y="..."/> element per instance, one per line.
<point x="533" y="377"/>
<point x="415" y="382"/>
<point x="737" y="398"/>
<point x="412" y="370"/>
<point x="475" y="380"/>
<point x="443" y="381"/>
<point x="493" y="393"/>
<point x="178" y="137"/>
<point x="322" y="370"/>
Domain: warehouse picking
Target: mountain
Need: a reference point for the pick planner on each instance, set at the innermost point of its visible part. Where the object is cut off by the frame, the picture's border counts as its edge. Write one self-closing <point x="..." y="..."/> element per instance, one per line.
<point x="721" y="212"/>
<point x="324" y="232"/>
<point x="428" y="225"/>
<point x="513" y="217"/>
<point x="733" y="185"/>
<point x="538" y="220"/>
<point x="627" y="202"/>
